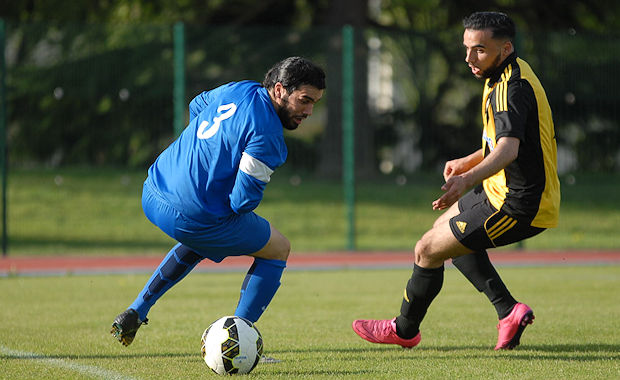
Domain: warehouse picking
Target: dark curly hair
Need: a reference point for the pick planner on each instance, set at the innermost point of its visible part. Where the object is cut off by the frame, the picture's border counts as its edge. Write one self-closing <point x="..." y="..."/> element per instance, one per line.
<point x="294" y="72"/>
<point x="500" y="24"/>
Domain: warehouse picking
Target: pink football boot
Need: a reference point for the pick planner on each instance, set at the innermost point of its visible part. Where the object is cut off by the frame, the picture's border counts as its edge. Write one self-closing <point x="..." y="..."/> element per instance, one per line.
<point x="511" y="327"/>
<point x="383" y="331"/>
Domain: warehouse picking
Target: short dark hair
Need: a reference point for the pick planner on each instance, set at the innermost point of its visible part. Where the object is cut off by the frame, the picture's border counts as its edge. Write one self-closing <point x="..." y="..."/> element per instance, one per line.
<point x="500" y="24"/>
<point x="294" y="72"/>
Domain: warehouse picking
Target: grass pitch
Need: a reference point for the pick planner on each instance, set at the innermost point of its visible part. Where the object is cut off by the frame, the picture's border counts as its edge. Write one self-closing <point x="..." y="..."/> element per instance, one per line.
<point x="98" y="211"/>
<point x="57" y="327"/>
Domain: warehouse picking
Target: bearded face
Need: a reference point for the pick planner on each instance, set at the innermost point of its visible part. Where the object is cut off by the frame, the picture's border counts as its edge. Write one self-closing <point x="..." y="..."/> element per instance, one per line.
<point x="483" y="52"/>
<point x="289" y="121"/>
<point x="293" y="108"/>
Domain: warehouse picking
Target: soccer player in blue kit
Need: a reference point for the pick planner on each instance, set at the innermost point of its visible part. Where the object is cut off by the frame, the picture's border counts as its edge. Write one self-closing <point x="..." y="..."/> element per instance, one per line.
<point x="203" y="188"/>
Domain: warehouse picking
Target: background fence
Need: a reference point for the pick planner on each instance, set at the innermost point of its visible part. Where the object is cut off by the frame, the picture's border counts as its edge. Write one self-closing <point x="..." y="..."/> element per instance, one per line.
<point x="110" y="96"/>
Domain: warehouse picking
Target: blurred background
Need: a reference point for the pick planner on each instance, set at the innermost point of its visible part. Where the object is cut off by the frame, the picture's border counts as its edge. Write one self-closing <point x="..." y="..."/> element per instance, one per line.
<point x="93" y="91"/>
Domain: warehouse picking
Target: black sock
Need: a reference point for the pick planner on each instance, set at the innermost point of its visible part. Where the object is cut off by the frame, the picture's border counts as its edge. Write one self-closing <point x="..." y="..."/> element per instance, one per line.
<point x="421" y="290"/>
<point x="477" y="268"/>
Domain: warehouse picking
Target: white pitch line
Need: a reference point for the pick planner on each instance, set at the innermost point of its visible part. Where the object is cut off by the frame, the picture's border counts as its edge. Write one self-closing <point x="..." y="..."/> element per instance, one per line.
<point x="84" y="369"/>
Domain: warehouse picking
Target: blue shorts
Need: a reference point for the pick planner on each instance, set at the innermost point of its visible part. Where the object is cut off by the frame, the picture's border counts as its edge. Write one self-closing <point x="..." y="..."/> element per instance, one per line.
<point x="233" y="235"/>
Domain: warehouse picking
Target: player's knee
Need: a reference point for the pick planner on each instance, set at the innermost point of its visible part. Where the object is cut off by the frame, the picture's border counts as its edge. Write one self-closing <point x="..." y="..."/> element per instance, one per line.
<point x="281" y="246"/>
<point x="283" y="249"/>
<point x="423" y="250"/>
<point x="278" y="248"/>
<point x="419" y="252"/>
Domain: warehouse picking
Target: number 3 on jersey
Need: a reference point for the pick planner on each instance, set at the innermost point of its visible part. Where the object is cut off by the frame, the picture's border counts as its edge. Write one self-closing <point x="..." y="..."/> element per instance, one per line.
<point x="226" y="111"/>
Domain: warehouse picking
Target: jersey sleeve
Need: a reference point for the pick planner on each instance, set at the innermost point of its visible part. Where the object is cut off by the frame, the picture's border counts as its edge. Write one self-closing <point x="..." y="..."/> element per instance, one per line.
<point x="258" y="161"/>
<point x="202" y="100"/>
<point x="511" y="121"/>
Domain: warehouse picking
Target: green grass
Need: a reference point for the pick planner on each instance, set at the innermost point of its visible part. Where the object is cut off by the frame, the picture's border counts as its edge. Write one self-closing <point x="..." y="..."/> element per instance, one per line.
<point x="57" y="327"/>
<point x="98" y="211"/>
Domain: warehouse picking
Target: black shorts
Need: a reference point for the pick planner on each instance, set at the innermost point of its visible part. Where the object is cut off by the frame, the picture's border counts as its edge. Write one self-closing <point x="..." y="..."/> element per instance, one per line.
<point x="480" y="225"/>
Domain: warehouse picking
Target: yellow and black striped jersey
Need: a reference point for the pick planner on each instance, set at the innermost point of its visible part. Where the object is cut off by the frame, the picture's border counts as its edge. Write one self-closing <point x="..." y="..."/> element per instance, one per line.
<point x="514" y="104"/>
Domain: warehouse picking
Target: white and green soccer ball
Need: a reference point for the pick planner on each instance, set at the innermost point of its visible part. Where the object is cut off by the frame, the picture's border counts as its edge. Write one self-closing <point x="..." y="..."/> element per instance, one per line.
<point x="232" y="345"/>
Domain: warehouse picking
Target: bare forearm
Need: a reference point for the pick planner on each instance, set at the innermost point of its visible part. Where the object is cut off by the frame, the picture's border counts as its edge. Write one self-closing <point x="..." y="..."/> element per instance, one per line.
<point x="504" y="153"/>
<point x="458" y="180"/>
<point x="461" y="165"/>
<point x="474" y="158"/>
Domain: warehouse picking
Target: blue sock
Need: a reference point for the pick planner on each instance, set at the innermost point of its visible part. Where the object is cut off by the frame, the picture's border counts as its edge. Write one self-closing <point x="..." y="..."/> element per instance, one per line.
<point x="176" y="265"/>
<point x="259" y="287"/>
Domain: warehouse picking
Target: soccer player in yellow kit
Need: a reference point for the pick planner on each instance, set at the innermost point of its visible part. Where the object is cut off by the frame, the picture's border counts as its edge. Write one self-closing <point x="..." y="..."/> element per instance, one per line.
<point x="515" y="195"/>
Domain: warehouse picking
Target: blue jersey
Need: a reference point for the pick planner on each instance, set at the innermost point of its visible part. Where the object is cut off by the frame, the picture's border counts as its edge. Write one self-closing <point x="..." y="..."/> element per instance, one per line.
<point x="223" y="160"/>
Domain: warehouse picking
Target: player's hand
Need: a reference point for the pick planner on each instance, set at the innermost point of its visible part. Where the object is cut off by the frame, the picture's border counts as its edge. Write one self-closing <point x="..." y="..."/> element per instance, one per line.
<point x="453" y="167"/>
<point x="461" y="165"/>
<point x="449" y="170"/>
<point x="454" y="187"/>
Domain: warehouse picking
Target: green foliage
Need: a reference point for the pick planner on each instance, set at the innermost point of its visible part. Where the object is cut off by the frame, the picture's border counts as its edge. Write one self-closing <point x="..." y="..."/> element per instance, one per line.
<point x="568" y="43"/>
<point x="219" y="54"/>
<point x="57" y="327"/>
<point x="530" y="15"/>
<point x="100" y="92"/>
<point x="101" y="98"/>
<point x="580" y="88"/>
<point x="437" y="110"/>
<point x="237" y="12"/>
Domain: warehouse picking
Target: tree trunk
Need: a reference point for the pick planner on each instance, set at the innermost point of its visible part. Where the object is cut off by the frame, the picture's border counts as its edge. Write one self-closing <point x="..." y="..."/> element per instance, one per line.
<point x="354" y="13"/>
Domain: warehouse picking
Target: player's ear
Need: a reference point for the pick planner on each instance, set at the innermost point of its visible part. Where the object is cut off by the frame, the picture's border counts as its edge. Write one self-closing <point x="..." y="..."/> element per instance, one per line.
<point x="507" y="48"/>
<point x="278" y="90"/>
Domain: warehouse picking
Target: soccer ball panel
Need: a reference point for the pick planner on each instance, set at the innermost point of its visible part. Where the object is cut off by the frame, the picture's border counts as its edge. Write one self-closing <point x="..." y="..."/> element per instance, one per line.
<point x="232" y="345"/>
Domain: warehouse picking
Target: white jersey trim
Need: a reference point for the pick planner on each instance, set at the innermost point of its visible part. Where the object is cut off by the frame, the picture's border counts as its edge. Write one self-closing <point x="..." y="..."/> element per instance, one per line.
<point x="255" y="168"/>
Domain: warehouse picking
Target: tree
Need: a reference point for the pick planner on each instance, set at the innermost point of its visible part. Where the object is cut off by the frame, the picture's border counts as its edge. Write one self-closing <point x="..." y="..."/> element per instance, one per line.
<point x="119" y="54"/>
<point x="424" y="34"/>
<point x="100" y="92"/>
<point x="340" y="13"/>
